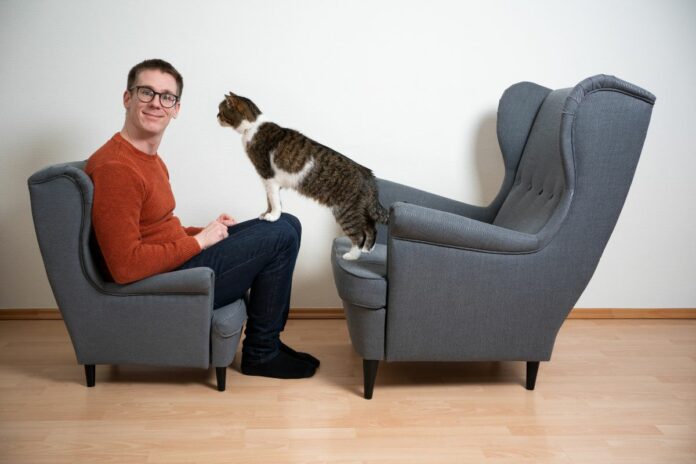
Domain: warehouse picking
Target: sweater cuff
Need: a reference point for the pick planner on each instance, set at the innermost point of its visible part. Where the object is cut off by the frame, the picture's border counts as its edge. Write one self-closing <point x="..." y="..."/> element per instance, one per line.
<point x="191" y="231"/>
<point x="190" y="248"/>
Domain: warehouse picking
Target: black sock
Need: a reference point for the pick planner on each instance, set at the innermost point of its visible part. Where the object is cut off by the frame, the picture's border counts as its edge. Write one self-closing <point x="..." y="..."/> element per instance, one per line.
<point x="300" y="355"/>
<point x="283" y="366"/>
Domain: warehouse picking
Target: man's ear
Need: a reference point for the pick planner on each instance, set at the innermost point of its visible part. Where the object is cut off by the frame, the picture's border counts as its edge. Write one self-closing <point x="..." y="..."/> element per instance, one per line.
<point x="126" y="99"/>
<point x="177" y="107"/>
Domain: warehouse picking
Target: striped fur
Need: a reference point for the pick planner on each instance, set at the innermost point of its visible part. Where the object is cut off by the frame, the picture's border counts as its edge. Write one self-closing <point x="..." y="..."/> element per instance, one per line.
<point x="284" y="158"/>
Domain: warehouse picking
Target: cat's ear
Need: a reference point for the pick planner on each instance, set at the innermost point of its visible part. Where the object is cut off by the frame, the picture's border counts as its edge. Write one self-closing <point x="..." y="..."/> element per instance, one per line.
<point x="236" y="102"/>
<point x="230" y="98"/>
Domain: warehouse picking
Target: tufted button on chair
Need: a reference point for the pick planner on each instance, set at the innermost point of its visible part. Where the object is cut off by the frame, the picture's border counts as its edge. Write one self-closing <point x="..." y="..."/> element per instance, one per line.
<point x="449" y="281"/>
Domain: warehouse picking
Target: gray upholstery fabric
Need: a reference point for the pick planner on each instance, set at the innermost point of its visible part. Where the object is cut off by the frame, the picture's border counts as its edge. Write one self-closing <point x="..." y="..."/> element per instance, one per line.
<point x="162" y="320"/>
<point x="416" y="223"/>
<point x="184" y="282"/>
<point x="362" y="283"/>
<point x="391" y="192"/>
<point x="366" y="328"/>
<point x="517" y="111"/>
<point x="540" y="180"/>
<point x="496" y="282"/>
<point x="227" y="330"/>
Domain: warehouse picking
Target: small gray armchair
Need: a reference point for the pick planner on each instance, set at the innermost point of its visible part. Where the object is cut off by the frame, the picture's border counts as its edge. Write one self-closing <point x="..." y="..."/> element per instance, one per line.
<point x="164" y="320"/>
<point x="453" y="282"/>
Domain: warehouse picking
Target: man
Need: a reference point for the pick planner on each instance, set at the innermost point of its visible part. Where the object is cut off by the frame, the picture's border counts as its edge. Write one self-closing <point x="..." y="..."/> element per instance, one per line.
<point x="139" y="235"/>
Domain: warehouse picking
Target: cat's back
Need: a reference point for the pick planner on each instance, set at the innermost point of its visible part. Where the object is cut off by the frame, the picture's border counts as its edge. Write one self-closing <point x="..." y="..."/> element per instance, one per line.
<point x="334" y="178"/>
<point x="327" y="158"/>
<point x="267" y="137"/>
<point x="293" y="147"/>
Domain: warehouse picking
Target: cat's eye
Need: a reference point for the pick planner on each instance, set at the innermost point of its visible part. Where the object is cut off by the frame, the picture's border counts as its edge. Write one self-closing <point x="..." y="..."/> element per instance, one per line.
<point x="146" y="95"/>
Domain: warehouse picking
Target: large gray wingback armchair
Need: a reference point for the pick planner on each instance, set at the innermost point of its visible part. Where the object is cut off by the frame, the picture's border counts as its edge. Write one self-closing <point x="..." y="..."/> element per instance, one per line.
<point x="165" y="320"/>
<point x="452" y="282"/>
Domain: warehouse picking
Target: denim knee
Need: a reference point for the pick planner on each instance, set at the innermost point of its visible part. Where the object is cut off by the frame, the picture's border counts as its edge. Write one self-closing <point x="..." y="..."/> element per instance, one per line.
<point x="288" y="236"/>
<point x="294" y="222"/>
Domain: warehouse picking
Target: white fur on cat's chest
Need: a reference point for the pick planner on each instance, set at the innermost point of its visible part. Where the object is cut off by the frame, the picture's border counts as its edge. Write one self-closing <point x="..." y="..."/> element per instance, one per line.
<point x="290" y="179"/>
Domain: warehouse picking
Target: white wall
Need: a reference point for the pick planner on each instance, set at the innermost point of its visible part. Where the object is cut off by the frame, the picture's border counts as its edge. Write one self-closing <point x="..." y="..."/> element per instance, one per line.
<point x="408" y="88"/>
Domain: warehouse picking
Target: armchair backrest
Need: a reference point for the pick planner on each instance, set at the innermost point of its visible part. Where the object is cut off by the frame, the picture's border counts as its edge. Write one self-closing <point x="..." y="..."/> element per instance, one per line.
<point x="578" y="161"/>
<point x="61" y="204"/>
<point x="539" y="182"/>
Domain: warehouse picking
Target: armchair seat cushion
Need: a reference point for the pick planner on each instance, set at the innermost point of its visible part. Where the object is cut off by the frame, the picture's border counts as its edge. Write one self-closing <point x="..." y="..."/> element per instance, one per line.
<point x="226" y="332"/>
<point x="362" y="282"/>
<point x="228" y="320"/>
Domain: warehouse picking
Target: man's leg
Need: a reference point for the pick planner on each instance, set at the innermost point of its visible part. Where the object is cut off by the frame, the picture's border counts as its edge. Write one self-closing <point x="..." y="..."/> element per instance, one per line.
<point x="259" y="256"/>
<point x="295" y="223"/>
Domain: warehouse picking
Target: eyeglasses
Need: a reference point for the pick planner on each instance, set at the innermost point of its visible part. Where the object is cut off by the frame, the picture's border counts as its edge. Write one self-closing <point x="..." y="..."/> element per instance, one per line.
<point x="146" y="95"/>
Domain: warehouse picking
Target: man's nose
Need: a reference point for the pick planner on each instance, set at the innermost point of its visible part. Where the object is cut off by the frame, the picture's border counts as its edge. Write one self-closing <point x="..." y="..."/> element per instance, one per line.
<point x="156" y="102"/>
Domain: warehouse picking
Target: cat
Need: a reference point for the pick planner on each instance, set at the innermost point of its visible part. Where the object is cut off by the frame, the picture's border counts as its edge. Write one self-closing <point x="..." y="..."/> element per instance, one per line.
<point x="284" y="158"/>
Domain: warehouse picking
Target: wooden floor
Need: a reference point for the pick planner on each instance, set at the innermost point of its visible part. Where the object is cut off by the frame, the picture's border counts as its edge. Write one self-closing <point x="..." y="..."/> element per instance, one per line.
<point x="616" y="391"/>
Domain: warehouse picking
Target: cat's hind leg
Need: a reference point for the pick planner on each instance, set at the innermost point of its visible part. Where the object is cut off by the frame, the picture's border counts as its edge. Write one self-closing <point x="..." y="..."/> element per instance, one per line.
<point x="370" y="237"/>
<point x="353" y="224"/>
<point x="357" y="240"/>
<point x="352" y="254"/>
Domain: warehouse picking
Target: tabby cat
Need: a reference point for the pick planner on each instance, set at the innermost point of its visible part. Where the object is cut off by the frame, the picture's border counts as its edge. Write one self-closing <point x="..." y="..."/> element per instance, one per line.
<point x="284" y="158"/>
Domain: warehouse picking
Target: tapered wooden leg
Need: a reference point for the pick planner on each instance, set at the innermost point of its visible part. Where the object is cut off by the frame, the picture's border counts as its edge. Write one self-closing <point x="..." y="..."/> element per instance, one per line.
<point x="532" y="369"/>
<point x="221" y="373"/>
<point x="369" y="376"/>
<point x="90" y="374"/>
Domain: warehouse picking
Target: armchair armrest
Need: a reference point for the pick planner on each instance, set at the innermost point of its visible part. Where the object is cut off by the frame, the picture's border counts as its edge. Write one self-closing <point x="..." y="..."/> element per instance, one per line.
<point x="417" y="223"/>
<point x="195" y="281"/>
<point x="392" y="192"/>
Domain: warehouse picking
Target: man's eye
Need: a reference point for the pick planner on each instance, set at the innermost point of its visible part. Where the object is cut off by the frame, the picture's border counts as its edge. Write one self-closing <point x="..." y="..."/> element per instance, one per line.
<point x="147" y="92"/>
<point x="169" y="97"/>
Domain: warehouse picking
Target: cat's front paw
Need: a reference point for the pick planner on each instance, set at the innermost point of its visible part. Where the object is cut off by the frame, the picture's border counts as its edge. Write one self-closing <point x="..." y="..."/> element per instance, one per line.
<point x="270" y="217"/>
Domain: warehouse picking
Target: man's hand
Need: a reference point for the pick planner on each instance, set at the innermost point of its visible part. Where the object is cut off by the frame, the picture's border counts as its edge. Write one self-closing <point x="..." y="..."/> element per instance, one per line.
<point x="211" y="234"/>
<point x="226" y="220"/>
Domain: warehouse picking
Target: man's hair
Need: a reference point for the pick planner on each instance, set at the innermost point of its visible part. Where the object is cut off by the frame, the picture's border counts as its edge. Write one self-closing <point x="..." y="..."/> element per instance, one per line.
<point x="159" y="65"/>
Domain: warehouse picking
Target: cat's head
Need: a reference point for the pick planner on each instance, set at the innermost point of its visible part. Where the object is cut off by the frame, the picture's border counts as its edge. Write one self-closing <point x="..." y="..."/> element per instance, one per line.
<point x="237" y="112"/>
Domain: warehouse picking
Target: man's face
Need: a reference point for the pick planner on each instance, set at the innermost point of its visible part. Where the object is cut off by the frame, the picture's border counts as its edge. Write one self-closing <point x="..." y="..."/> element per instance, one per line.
<point x="150" y="118"/>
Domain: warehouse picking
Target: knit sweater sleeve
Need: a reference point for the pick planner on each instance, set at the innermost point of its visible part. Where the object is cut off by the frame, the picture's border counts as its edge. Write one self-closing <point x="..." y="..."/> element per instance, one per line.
<point x="119" y="193"/>
<point x="192" y="230"/>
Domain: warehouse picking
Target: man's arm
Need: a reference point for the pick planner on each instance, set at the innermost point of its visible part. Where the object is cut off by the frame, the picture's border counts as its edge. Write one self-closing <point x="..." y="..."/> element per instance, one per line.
<point x="191" y="231"/>
<point x="118" y="200"/>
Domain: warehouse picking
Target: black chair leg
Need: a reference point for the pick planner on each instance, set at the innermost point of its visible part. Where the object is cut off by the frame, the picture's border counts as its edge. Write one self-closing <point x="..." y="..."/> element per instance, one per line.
<point x="532" y="369"/>
<point x="90" y="374"/>
<point x="369" y="376"/>
<point x="221" y="373"/>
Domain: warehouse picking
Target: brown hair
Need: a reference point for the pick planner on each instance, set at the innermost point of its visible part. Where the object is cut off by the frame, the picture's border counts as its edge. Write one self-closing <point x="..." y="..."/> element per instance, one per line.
<point x="160" y="65"/>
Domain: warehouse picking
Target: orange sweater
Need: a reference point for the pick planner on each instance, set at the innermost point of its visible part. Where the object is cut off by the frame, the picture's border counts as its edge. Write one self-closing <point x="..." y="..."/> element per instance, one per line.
<point x="133" y="213"/>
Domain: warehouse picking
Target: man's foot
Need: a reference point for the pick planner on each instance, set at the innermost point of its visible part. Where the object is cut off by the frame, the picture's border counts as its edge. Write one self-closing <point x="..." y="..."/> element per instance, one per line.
<point x="283" y="366"/>
<point x="300" y="355"/>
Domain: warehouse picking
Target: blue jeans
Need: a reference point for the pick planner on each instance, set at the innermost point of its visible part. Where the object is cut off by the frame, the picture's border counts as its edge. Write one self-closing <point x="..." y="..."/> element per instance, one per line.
<point x="258" y="256"/>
